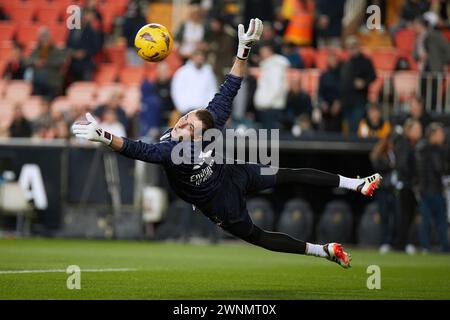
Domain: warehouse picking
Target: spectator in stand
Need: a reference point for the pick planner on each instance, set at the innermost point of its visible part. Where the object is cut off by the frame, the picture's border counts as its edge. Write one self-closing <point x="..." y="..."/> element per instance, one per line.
<point x="150" y="114"/>
<point x="15" y="68"/>
<point x="373" y="125"/>
<point x="356" y="75"/>
<point x="194" y="84"/>
<point x="44" y="120"/>
<point x="134" y="20"/>
<point x="404" y="148"/>
<point x="191" y="33"/>
<point x="46" y="62"/>
<point x="272" y="88"/>
<point x="162" y="87"/>
<point x="382" y="158"/>
<point x="83" y="45"/>
<point x="411" y="10"/>
<point x="417" y="112"/>
<point x="268" y="37"/>
<point x="329" y="15"/>
<point x="329" y="96"/>
<point x="113" y="104"/>
<point x="111" y="123"/>
<point x="291" y="52"/>
<point x="433" y="55"/>
<point x="221" y="47"/>
<point x="97" y="21"/>
<point x="430" y="161"/>
<point x="3" y="14"/>
<point x="20" y="127"/>
<point x="60" y="130"/>
<point x="298" y="103"/>
<point x="264" y="10"/>
<point x="300" y="14"/>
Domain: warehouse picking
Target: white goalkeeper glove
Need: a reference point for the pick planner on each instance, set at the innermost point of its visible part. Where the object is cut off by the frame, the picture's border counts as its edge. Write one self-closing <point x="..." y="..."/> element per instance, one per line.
<point x="249" y="38"/>
<point x="91" y="130"/>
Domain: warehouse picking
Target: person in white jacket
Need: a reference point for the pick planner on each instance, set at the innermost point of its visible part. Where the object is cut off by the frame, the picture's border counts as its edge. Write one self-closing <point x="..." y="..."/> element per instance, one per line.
<point x="272" y="87"/>
<point x="194" y="84"/>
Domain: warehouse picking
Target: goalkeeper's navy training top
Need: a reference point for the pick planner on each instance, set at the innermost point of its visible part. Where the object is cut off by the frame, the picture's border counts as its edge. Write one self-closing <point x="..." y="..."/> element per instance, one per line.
<point x="198" y="182"/>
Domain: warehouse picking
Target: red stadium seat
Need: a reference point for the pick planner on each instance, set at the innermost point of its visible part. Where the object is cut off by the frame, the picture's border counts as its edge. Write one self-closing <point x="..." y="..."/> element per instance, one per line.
<point x="132" y="75"/>
<point x="107" y="73"/>
<point x="18" y="91"/>
<point x="321" y="59"/>
<point x="376" y="86"/>
<point x="384" y="59"/>
<point x="406" y="84"/>
<point x="308" y="56"/>
<point x="405" y="40"/>
<point x="7" y="30"/>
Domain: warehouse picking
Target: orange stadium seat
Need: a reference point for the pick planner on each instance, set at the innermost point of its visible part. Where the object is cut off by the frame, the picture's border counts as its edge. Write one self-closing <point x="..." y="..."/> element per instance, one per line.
<point x="50" y="14"/>
<point x="28" y="33"/>
<point x="105" y="92"/>
<point x="22" y="12"/>
<point x="406" y="83"/>
<point x="82" y="93"/>
<point x="308" y="56"/>
<point x="384" y="59"/>
<point x="107" y="73"/>
<point x="18" y="90"/>
<point x="321" y="59"/>
<point x="7" y="108"/>
<point x="61" y="104"/>
<point x="58" y="33"/>
<point x="116" y="54"/>
<point x="405" y="40"/>
<point x="3" y="84"/>
<point x="32" y="108"/>
<point x="6" y="48"/>
<point x="132" y="75"/>
<point x="7" y="30"/>
<point x="132" y="100"/>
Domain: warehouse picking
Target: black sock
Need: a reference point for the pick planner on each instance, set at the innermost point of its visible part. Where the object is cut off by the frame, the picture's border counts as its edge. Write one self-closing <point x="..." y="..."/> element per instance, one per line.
<point x="275" y="241"/>
<point x="307" y="176"/>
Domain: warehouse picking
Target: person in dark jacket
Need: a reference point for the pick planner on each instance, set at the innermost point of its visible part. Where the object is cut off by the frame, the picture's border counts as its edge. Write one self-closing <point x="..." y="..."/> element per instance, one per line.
<point x="15" y="68"/>
<point x="330" y="96"/>
<point x="20" y="126"/>
<point x="113" y="103"/>
<point x="417" y="112"/>
<point x="382" y="158"/>
<point x="356" y="75"/>
<point x="404" y="147"/>
<point x="83" y="45"/>
<point x="430" y="163"/>
<point x="329" y="16"/>
<point x="134" y="20"/>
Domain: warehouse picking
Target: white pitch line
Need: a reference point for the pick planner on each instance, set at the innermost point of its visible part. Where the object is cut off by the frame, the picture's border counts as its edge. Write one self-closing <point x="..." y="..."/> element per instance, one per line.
<point x="64" y="270"/>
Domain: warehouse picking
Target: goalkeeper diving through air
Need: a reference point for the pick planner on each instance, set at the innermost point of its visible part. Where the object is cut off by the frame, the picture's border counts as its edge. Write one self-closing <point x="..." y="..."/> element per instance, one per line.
<point x="221" y="193"/>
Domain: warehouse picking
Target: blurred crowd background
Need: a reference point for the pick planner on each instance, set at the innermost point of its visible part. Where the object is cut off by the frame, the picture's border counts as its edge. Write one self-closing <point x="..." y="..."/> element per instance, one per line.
<point x="322" y="70"/>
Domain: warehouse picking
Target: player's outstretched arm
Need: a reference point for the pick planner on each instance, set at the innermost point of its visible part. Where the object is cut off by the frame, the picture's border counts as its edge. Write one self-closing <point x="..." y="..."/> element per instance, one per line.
<point x="221" y="106"/>
<point x="90" y="129"/>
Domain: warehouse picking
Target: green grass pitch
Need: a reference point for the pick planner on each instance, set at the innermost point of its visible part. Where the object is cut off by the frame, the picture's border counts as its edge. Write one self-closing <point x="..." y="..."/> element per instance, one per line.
<point x="226" y="271"/>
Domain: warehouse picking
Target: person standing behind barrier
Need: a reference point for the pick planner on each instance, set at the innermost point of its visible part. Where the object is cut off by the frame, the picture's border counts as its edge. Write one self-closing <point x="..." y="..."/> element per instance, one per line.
<point x="404" y="147"/>
<point x="430" y="161"/>
<point x="356" y="76"/>
<point x="382" y="158"/>
<point x="272" y="88"/>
